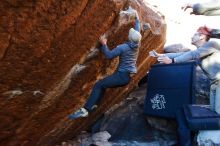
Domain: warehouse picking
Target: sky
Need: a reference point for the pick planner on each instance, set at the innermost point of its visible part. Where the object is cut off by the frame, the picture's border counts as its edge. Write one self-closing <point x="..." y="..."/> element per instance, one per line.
<point x="180" y="25"/>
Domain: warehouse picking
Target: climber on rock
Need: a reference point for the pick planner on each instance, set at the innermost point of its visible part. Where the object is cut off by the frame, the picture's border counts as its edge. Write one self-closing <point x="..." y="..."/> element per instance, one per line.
<point x="128" y="54"/>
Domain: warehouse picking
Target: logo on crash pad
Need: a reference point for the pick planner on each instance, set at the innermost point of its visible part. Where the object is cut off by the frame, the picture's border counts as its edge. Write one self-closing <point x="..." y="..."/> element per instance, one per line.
<point x="158" y="102"/>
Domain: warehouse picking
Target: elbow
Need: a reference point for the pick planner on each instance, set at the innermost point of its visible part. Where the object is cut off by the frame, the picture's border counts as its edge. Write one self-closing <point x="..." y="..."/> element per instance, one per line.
<point x="108" y="56"/>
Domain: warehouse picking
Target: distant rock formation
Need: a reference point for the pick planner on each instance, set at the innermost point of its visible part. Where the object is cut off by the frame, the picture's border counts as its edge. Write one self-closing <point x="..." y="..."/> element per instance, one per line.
<point x="49" y="62"/>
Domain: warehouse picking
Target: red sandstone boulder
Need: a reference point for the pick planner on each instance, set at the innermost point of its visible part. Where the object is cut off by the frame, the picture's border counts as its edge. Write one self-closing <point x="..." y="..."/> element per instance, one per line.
<point x="49" y="63"/>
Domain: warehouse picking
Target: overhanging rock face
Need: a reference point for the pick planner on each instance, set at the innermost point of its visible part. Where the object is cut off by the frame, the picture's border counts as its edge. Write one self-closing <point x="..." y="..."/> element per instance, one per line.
<point x="49" y="63"/>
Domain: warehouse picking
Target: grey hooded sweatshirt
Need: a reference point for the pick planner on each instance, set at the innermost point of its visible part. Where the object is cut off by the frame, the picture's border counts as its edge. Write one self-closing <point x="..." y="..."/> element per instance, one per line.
<point x="127" y="52"/>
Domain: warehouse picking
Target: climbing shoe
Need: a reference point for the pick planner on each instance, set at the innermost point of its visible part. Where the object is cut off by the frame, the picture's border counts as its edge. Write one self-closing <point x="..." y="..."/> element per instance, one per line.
<point x="82" y="112"/>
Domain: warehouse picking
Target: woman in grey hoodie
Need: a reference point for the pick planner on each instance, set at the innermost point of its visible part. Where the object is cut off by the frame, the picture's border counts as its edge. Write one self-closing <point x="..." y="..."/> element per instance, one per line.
<point x="127" y="53"/>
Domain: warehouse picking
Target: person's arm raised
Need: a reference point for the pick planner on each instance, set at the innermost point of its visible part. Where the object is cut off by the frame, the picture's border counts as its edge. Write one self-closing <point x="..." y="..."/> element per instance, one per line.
<point x="109" y="54"/>
<point x="137" y="22"/>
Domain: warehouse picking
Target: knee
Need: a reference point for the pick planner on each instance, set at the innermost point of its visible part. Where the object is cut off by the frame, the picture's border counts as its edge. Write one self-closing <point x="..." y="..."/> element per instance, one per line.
<point x="98" y="84"/>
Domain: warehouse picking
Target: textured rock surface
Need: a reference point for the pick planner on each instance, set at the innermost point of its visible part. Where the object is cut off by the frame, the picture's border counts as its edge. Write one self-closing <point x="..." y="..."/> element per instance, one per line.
<point x="48" y="63"/>
<point x="141" y="127"/>
<point x="127" y="122"/>
<point x="126" y="125"/>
